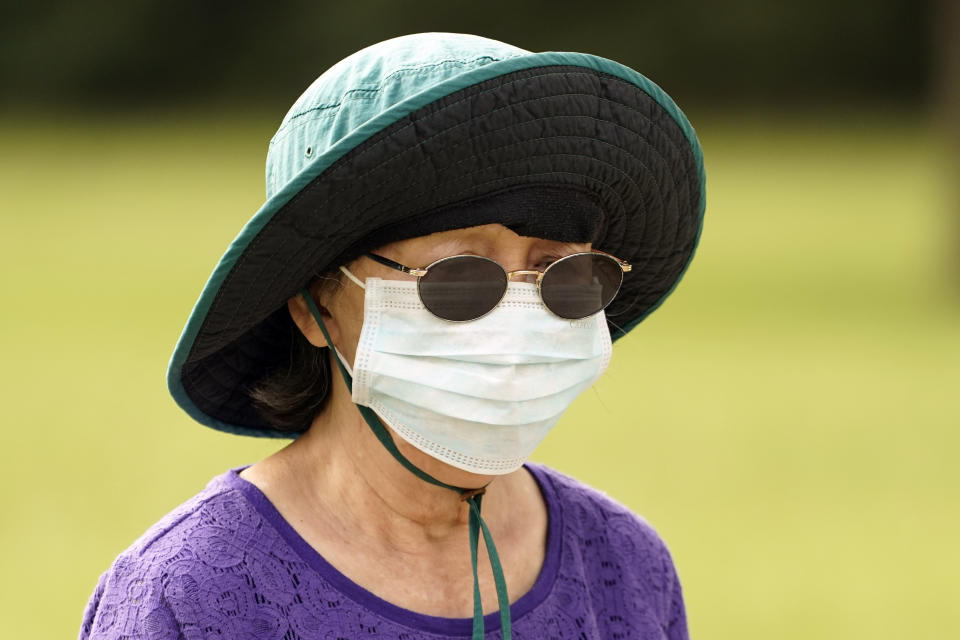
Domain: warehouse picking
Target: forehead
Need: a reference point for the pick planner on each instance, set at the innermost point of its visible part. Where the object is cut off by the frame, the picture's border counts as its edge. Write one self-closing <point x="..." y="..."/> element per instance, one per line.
<point x="488" y="240"/>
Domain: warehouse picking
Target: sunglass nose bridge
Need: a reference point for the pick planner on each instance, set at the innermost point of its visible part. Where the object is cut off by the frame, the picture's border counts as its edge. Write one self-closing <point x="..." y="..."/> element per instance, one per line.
<point x="527" y="274"/>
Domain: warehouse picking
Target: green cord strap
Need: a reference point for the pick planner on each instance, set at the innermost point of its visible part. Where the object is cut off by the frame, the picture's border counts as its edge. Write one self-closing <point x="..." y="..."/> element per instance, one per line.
<point x="478" y="632"/>
<point x="472" y="497"/>
<point x="503" y="599"/>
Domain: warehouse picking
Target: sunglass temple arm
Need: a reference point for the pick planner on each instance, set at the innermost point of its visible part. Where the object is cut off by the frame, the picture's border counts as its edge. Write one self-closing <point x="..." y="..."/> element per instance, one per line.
<point x="387" y="262"/>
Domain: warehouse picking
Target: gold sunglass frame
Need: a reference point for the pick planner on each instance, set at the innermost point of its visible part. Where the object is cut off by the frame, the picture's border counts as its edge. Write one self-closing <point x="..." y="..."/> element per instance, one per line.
<point x="420" y="272"/>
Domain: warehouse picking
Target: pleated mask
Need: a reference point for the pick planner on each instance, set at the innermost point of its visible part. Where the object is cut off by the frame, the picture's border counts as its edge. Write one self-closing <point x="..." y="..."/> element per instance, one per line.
<point x="478" y="395"/>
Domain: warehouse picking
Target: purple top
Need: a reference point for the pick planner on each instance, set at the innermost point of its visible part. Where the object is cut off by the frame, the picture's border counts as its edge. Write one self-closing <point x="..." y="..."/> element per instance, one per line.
<point x="225" y="564"/>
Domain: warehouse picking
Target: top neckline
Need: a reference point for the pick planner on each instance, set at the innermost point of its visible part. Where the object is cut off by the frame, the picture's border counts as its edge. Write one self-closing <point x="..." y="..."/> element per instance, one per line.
<point x="377" y="605"/>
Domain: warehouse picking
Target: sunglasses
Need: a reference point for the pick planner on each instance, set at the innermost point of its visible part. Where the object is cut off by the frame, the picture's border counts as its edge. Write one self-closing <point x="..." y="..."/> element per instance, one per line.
<point x="467" y="287"/>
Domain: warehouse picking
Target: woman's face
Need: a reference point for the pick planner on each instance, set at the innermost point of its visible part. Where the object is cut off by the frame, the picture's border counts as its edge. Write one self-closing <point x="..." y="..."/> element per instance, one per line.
<point x="494" y="241"/>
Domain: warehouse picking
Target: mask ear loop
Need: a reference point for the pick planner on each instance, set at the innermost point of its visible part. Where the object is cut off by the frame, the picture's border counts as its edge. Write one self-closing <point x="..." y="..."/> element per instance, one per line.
<point x="473" y="497"/>
<point x="357" y="281"/>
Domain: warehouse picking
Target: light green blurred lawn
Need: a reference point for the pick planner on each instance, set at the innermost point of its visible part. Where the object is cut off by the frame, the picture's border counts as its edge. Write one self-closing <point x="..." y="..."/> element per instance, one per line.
<point x="787" y="421"/>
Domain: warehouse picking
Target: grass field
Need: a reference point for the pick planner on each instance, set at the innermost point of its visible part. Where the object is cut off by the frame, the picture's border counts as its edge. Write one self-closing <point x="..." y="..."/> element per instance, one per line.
<point x="788" y="420"/>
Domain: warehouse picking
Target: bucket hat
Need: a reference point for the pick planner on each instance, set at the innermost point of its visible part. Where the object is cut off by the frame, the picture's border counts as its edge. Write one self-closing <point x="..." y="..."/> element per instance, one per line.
<point x="431" y="132"/>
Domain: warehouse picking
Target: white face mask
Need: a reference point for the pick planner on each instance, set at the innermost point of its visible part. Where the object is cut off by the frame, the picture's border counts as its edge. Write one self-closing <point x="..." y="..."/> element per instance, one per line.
<point x="478" y="395"/>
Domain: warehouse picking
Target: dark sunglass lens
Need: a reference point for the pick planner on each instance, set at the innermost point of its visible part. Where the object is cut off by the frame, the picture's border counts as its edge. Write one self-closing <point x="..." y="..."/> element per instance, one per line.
<point x="580" y="285"/>
<point x="462" y="287"/>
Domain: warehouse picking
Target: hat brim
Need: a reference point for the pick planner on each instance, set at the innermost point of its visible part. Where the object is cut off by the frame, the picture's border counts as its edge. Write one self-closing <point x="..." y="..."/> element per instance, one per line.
<point x="573" y="124"/>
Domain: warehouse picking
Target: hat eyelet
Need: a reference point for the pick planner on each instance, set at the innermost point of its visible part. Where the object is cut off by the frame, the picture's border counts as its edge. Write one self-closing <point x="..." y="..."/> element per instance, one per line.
<point x="309" y="151"/>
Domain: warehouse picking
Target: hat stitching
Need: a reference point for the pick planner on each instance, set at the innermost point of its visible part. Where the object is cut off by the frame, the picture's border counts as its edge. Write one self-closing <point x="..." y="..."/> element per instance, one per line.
<point x="384" y="234"/>
<point x="663" y="260"/>
<point x="647" y="169"/>
<point x="675" y="196"/>
<point x="638" y="161"/>
<point x="364" y="146"/>
<point x="222" y="399"/>
<point x="648" y="120"/>
<point x="376" y="88"/>
<point x="654" y="126"/>
<point x="642" y="266"/>
<point x="527" y="141"/>
<point x="307" y="117"/>
<point x="306" y="191"/>
<point x="453" y="197"/>
<point x="552" y="70"/>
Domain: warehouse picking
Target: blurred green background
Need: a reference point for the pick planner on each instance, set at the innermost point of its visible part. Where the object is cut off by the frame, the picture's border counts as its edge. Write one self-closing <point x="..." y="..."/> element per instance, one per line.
<point x="787" y="421"/>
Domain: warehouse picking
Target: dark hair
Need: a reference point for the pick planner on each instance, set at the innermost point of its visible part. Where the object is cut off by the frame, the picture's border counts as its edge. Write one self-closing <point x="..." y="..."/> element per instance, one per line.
<point x="291" y="395"/>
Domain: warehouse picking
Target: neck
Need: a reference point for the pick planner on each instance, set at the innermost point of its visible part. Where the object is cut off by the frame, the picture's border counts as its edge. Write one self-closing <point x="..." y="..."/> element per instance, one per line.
<point x="341" y="465"/>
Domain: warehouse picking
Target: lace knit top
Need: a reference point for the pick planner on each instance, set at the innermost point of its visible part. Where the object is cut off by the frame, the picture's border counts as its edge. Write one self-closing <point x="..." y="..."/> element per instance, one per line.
<point x="225" y="564"/>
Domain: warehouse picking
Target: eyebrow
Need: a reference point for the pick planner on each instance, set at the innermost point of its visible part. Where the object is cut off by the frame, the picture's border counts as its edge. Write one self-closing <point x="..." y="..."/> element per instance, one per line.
<point x="473" y="240"/>
<point x="453" y="246"/>
<point x="561" y="248"/>
<point x="479" y="244"/>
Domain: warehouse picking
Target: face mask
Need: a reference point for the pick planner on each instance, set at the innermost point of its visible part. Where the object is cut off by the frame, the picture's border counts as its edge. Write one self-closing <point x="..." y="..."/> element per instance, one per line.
<point x="478" y="395"/>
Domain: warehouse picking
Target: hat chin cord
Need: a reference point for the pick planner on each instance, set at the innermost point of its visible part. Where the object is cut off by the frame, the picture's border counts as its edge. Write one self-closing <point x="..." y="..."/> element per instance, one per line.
<point x="472" y="497"/>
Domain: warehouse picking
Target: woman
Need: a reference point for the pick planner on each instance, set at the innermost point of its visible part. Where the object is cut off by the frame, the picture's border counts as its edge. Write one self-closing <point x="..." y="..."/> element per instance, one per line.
<point x="465" y="224"/>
